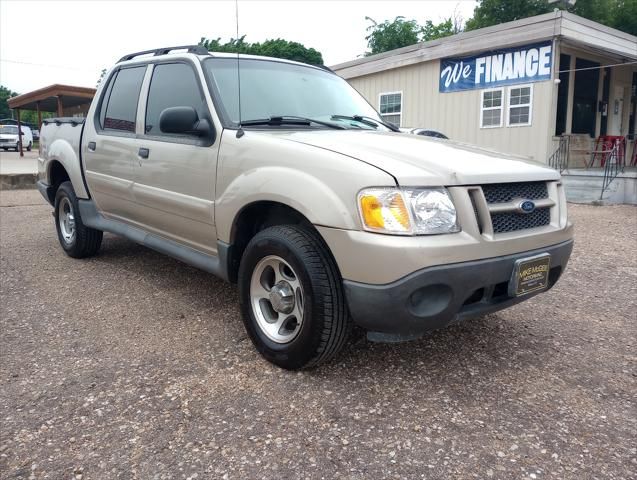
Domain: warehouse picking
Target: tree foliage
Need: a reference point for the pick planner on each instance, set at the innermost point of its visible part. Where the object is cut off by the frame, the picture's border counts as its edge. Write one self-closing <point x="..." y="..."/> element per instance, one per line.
<point x="399" y="32"/>
<point x="5" y="94"/>
<point x="278" y="48"/>
<point x="388" y="35"/>
<point x="620" y="14"/>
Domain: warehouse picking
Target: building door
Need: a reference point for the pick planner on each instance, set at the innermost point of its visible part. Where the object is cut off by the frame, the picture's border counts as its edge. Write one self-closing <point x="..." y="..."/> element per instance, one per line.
<point x="585" y="96"/>
<point x="633" y="108"/>
<point x="605" y="95"/>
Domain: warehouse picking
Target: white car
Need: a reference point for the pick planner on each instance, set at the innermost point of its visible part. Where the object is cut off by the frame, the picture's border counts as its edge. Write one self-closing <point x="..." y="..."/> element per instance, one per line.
<point x="9" y="137"/>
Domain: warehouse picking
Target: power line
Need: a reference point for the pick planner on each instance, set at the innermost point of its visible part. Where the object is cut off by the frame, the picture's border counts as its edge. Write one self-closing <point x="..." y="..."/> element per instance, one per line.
<point x="45" y="65"/>
<point x="597" y="68"/>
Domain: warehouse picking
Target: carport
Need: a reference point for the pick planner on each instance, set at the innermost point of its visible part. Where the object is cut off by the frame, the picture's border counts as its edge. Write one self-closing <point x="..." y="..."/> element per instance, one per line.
<point x="64" y="100"/>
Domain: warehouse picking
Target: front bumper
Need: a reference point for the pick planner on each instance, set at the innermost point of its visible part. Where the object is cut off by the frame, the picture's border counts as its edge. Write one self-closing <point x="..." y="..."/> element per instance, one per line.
<point x="434" y="297"/>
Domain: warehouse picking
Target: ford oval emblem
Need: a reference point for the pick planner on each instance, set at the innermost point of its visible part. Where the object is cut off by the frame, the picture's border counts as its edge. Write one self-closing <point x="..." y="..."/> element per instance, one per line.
<point x="526" y="206"/>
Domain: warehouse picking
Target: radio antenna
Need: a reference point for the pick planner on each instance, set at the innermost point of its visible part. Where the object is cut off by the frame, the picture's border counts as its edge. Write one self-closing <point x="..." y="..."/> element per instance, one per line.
<point x="240" y="132"/>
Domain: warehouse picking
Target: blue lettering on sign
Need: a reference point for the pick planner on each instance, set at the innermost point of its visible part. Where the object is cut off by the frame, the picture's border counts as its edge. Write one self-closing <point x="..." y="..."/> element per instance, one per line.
<point x="530" y="63"/>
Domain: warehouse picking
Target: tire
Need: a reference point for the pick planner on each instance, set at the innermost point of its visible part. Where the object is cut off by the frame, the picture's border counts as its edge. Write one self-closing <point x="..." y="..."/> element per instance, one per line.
<point x="29" y="147"/>
<point x="77" y="240"/>
<point x="325" y="322"/>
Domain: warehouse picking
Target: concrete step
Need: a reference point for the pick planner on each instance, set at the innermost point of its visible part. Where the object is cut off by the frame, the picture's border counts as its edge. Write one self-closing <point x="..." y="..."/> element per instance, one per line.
<point x="582" y="189"/>
<point x="18" y="181"/>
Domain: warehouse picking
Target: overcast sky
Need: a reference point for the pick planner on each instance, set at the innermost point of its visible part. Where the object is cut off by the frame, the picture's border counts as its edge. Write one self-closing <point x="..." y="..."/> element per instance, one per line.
<point x="46" y="42"/>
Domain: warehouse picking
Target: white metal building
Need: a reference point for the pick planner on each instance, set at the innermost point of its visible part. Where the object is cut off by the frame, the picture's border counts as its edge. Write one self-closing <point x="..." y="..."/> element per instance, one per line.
<point x="517" y="87"/>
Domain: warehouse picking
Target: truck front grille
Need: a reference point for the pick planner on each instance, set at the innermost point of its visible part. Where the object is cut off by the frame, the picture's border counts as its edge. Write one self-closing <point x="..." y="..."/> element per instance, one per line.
<point x="502" y="202"/>
<point x="505" y="192"/>
<point x="512" y="221"/>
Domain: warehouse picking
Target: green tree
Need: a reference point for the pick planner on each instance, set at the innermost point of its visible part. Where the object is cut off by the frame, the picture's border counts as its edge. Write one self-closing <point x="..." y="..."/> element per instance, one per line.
<point x="399" y="32"/>
<point x="620" y="14"/>
<point x="5" y="94"/>
<point x="430" y="31"/>
<point x="278" y="48"/>
<point x="99" y="80"/>
<point x="388" y="35"/>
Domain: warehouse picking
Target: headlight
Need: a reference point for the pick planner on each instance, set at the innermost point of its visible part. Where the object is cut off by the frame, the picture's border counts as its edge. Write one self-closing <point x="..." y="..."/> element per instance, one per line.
<point x="423" y="211"/>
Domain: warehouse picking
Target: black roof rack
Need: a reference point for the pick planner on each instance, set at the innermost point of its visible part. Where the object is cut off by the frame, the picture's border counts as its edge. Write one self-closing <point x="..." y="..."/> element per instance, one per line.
<point x="326" y="68"/>
<point x="197" y="49"/>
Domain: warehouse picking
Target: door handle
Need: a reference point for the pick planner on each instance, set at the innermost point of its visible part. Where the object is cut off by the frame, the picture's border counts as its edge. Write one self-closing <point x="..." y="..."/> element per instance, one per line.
<point x="91" y="146"/>
<point x="143" y="152"/>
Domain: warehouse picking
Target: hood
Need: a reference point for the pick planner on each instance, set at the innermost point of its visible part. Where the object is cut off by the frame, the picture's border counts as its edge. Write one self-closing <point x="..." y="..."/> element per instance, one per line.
<point x="9" y="136"/>
<point x="414" y="160"/>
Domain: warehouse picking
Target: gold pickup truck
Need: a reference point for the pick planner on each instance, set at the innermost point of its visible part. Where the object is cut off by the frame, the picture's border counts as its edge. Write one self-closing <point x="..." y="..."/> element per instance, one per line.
<point x="293" y="187"/>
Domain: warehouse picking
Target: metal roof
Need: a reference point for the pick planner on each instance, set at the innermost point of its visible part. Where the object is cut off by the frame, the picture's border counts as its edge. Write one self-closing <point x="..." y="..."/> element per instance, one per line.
<point x="47" y="97"/>
<point x="574" y="30"/>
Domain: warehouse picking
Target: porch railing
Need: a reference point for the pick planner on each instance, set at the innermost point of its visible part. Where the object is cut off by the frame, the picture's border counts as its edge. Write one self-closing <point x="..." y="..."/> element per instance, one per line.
<point x="559" y="159"/>
<point x="614" y="165"/>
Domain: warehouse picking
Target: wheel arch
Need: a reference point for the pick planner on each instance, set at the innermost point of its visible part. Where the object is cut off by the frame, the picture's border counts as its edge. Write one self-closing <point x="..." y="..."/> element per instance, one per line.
<point x="62" y="152"/>
<point x="253" y="218"/>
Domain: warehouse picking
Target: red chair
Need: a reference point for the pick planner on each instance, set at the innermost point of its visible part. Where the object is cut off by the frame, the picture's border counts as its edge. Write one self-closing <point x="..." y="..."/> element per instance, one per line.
<point x="608" y="142"/>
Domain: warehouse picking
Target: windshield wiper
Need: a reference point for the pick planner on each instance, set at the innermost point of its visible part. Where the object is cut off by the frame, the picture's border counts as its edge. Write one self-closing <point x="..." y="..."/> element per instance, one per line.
<point x="372" y="122"/>
<point x="288" y="120"/>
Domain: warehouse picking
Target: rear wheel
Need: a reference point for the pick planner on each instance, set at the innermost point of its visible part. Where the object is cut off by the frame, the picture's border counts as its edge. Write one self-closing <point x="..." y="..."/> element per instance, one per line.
<point x="29" y="147"/>
<point x="292" y="298"/>
<point x="77" y="240"/>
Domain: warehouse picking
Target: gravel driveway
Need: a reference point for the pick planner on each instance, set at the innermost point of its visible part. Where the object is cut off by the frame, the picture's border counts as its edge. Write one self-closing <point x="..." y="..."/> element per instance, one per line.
<point x="133" y="365"/>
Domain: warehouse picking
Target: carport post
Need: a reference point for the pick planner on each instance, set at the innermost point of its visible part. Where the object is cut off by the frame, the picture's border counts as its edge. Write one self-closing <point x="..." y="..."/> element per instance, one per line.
<point x="17" y="110"/>
<point x="60" y="108"/>
<point x="37" y="104"/>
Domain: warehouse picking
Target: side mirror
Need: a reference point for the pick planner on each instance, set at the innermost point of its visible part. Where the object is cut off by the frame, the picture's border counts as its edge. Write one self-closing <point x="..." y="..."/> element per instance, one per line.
<point x="183" y="120"/>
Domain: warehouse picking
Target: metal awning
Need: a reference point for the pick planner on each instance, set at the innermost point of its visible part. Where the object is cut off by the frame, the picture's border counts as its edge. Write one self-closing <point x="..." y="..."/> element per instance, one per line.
<point x="53" y="98"/>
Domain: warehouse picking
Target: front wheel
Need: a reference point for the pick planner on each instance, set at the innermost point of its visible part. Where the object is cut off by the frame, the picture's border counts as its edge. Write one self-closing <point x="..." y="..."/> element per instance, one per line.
<point x="77" y="240"/>
<point x="292" y="298"/>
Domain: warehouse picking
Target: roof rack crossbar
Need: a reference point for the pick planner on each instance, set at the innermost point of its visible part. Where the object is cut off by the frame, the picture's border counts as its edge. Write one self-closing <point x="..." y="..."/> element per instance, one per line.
<point x="197" y="49"/>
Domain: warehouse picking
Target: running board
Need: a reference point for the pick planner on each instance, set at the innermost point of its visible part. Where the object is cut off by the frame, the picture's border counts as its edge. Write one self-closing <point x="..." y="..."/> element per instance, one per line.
<point x="209" y="263"/>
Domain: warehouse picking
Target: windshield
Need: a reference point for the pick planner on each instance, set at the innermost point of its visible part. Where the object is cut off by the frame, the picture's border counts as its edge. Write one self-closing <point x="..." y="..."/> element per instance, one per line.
<point x="273" y="89"/>
<point x="9" y="129"/>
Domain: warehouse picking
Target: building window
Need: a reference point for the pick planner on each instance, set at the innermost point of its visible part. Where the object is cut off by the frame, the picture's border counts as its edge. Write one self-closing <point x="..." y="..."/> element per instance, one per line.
<point x="491" y="108"/>
<point x="519" y="107"/>
<point x="391" y="107"/>
<point x="562" y="95"/>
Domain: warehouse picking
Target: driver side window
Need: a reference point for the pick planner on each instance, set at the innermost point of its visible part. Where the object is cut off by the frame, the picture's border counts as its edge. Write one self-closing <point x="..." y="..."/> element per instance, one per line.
<point x="172" y="85"/>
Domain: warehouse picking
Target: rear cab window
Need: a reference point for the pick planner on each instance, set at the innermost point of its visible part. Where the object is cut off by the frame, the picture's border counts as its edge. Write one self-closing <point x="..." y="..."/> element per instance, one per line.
<point x="119" y="105"/>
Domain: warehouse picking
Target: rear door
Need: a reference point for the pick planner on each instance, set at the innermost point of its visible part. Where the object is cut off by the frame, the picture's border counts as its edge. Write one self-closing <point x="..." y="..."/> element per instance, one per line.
<point x="174" y="181"/>
<point x="109" y="144"/>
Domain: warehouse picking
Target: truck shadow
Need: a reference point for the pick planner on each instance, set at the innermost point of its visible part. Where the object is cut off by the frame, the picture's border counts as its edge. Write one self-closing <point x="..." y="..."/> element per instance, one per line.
<point x="494" y="342"/>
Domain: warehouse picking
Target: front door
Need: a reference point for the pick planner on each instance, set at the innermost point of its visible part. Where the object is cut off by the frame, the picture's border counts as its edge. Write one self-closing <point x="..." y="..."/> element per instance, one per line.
<point x="109" y="144"/>
<point x="174" y="174"/>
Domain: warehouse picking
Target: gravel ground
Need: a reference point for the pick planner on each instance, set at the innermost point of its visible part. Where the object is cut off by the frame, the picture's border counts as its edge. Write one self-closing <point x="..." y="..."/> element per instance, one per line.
<point x="133" y="365"/>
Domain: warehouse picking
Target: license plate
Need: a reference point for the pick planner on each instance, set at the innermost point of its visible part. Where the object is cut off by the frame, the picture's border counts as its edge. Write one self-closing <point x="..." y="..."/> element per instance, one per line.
<point x="530" y="275"/>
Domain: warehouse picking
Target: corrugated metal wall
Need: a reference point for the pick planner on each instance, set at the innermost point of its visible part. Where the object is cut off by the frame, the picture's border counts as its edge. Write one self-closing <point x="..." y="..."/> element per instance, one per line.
<point x="457" y="114"/>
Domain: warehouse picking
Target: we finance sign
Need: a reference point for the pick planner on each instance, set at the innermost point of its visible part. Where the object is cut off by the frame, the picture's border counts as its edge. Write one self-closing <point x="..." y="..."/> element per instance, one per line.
<point x="530" y="63"/>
